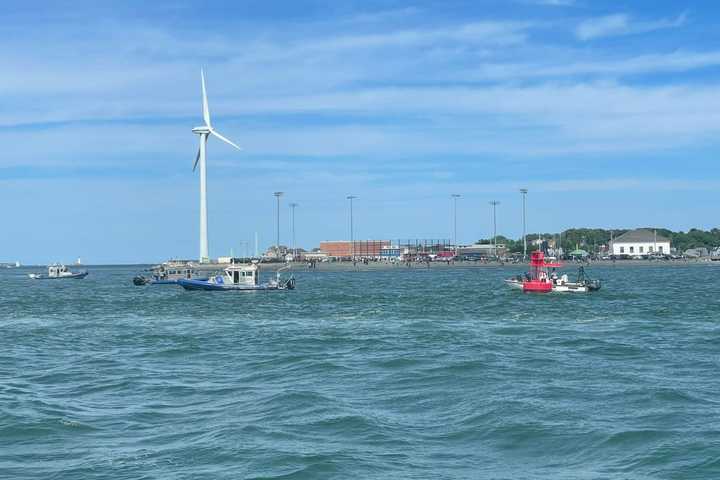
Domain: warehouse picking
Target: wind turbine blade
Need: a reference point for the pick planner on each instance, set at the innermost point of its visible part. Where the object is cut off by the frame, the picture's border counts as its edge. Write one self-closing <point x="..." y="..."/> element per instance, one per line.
<point x="224" y="139"/>
<point x="206" y="110"/>
<point x="197" y="159"/>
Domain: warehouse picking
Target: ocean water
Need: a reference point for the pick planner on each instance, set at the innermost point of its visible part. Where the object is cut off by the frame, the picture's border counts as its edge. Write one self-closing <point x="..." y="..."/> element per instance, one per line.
<point x="404" y="373"/>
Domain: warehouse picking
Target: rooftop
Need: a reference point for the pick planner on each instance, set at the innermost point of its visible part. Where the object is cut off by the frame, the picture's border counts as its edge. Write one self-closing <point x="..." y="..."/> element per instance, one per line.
<point x="640" y="235"/>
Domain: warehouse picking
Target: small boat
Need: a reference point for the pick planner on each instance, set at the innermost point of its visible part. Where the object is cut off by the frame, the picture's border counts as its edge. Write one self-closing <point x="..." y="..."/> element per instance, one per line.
<point x="581" y="285"/>
<point x="239" y="277"/>
<point x="538" y="280"/>
<point x="169" y="273"/>
<point x="57" y="272"/>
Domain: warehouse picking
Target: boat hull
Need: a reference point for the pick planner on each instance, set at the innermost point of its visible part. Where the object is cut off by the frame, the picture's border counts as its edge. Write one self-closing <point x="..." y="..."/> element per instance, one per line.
<point x="573" y="287"/>
<point x="514" y="284"/>
<point x="42" y="276"/>
<point x="529" y="286"/>
<point x="534" y="286"/>
<point x="190" y="284"/>
<point x="140" y="281"/>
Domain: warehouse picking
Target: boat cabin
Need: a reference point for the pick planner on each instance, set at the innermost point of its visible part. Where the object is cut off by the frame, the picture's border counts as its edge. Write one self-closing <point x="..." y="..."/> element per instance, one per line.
<point x="57" y="270"/>
<point x="241" y="274"/>
<point x="173" y="272"/>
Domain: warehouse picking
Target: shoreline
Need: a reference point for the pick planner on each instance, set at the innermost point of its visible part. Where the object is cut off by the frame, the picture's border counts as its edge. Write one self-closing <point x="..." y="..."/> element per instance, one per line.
<point x="375" y="266"/>
<point x="359" y="266"/>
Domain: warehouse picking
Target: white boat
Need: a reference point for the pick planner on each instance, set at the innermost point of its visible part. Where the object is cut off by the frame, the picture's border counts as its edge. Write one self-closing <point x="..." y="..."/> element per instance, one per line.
<point x="516" y="283"/>
<point x="239" y="277"/>
<point x="583" y="284"/>
<point x="58" y="272"/>
<point x="170" y="272"/>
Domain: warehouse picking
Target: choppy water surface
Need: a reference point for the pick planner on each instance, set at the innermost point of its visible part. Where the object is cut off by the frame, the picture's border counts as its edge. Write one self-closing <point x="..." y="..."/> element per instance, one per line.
<point x="387" y="374"/>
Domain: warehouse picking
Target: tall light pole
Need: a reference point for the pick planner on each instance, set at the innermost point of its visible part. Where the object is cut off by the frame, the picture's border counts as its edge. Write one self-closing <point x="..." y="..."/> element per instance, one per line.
<point x="494" y="204"/>
<point x="455" y="196"/>
<point x="277" y="243"/>
<point x="524" y="191"/>
<point x="352" y="237"/>
<point x="292" y="216"/>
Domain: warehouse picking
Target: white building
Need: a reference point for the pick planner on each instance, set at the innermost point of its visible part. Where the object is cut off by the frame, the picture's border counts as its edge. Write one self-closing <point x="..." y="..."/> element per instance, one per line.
<point x="483" y="249"/>
<point x="640" y="242"/>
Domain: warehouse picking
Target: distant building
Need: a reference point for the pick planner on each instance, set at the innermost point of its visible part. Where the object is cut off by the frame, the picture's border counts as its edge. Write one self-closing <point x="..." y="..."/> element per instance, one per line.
<point x="358" y="248"/>
<point x="315" y="255"/>
<point x="483" y="250"/>
<point x="412" y="247"/>
<point x="276" y="252"/>
<point x="699" y="252"/>
<point x="640" y="242"/>
<point x="390" y="252"/>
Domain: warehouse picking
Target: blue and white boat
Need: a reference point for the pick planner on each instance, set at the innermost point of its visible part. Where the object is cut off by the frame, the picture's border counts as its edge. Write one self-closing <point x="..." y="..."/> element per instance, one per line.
<point x="58" y="272"/>
<point x="239" y="277"/>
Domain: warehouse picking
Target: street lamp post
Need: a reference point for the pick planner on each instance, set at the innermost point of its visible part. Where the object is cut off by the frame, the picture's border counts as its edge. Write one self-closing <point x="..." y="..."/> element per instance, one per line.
<point x="292" y="217"/>
<point x="352" y="237"/>
<point x="455" y="196"/>
<point x="277" y="242"/>
<point x="244" y="246"/>
<point x="494" y="204"/>
<point x="524" y="192"/>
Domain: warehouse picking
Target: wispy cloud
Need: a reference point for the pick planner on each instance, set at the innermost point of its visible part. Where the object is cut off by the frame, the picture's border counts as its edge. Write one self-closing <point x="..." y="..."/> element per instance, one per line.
<point x="678" y="61"/>
<point x="551" y="3"/>
<point x="491" y="33"/>
<point x="623" y="24"/>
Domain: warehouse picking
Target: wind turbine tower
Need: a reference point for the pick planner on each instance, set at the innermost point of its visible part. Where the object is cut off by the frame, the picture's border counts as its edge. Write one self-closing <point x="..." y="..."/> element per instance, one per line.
<point x="204" y="131"/>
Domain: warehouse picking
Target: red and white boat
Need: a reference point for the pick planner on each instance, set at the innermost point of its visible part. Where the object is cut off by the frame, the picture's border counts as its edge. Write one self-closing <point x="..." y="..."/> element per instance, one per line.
<point x="538" y="279"/>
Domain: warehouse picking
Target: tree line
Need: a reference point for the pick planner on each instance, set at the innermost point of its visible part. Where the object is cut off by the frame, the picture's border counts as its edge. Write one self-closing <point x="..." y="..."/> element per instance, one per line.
<point x="592" y="239"/>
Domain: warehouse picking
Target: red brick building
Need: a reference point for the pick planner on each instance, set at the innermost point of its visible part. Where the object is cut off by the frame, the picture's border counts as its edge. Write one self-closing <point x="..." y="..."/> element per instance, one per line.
<point x="362" y="248"/>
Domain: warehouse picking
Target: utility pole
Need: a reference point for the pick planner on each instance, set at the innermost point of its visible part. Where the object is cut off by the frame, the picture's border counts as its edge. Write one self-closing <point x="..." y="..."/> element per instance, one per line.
<point x="494" y="204"/>
<point x="524" y="192"/>
<point x="292" y="216"/>
<point x="277" y="243"/>
<point x="655" y="241"/>
<point x="455" y="196"/>
<point x="352" y="237"/>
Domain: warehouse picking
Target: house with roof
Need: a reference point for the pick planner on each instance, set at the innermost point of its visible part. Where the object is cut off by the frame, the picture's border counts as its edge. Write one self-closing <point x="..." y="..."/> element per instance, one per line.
<point x="641" y="241"/>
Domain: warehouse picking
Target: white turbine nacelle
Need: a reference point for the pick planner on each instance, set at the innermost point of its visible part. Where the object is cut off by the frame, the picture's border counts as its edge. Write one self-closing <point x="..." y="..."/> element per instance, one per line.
<point x="202" y="130"/>
<point x="205" y="131"/>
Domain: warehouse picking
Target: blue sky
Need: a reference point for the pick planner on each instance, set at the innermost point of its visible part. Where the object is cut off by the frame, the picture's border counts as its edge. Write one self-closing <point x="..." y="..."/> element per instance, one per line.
<point x="608" y="112"/>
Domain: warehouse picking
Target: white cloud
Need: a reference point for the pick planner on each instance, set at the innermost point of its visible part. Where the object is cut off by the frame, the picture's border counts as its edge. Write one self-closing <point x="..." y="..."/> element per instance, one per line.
<point x="622" y="24"/>
<point x="393" y="91"/>
<point x="491" y="33"/>
<point x="552" y="3"/>
<point x="390" y="123"/>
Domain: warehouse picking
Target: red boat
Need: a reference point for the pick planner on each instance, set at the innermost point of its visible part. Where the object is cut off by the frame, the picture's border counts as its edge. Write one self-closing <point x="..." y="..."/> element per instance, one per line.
<point x="537" y="280"/>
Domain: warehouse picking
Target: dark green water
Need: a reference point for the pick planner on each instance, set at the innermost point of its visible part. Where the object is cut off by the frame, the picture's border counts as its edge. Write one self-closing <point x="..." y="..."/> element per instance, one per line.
<point x="389" y="374"/>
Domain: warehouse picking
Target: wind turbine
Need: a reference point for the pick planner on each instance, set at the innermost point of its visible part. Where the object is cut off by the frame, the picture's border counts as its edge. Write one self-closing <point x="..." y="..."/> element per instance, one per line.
<point x="204" y="131"/>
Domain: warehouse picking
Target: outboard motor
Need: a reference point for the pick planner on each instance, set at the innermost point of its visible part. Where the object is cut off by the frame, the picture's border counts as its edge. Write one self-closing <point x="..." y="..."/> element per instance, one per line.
<point x="139" y="280"/>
